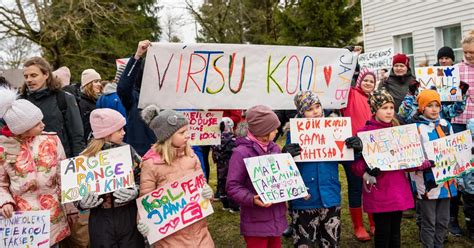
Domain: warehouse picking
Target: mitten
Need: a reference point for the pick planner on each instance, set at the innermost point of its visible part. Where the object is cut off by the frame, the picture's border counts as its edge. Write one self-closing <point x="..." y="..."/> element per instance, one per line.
<point x="464" y="87"/>
<point x="90" y="200"/>
<point x="125" y="195"/>
<point x="355" y="143"/>
<point x="413" y="86"/>
<point x="207" y="192"/>
<point x="375" y="172"/>
<point x="143" y="228"/>
<point x="293" y="149"/>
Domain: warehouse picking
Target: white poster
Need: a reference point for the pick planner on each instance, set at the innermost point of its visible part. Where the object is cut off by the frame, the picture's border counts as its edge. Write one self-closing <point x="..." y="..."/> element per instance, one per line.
<point x="375" y="60"/>
<point x="444" y="78"/>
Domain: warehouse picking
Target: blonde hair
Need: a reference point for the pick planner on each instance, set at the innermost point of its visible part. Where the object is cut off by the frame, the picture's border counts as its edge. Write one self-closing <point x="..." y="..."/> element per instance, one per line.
<point x="168" y="152"/>
<point x="93" y="148"/>
<point x="469" y="38"/>
<point x="88" y="90"/>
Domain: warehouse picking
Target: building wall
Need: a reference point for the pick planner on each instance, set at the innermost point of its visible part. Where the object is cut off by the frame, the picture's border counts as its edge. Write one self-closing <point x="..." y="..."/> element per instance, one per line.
<point x="384" y="20"/>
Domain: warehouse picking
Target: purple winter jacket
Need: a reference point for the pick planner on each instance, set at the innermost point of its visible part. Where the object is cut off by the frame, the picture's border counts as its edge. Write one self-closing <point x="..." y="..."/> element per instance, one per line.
<point x="392" y="191"/>
<point x="254" y="220"/>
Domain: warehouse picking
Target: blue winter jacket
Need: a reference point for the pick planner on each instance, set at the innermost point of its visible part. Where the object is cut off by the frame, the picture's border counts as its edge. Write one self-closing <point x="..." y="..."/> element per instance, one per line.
<point x="322" y="181"/>
<point x="139" y="136"/>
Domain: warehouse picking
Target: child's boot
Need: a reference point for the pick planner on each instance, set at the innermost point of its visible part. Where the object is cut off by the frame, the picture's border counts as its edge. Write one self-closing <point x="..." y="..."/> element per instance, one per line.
<point x="359" y="229"/>
<point x="372" y="224"/>
<point x="453" y="227"/>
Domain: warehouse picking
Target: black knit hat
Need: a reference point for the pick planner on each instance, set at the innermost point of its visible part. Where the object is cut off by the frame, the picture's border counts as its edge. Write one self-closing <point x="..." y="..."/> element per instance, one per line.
<point x="446" y="52"/>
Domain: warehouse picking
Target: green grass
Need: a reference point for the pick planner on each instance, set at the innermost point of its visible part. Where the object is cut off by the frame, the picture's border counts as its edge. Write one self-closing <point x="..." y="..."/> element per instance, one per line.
<point x="225" y="230"/>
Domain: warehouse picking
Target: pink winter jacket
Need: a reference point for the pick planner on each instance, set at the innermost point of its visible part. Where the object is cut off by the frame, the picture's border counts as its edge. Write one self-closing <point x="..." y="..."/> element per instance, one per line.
<point x="392" y="191"/>
<point x="32" y="183"/>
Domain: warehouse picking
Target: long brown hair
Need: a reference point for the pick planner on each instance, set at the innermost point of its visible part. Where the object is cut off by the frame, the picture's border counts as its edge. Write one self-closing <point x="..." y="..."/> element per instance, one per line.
<point x="52" y="83"/>
<point x="88" y="90"/>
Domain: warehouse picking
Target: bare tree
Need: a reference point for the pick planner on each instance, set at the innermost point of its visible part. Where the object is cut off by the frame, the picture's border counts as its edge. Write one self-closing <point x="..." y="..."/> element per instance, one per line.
<point x="16" y="50"/>
<point x="172" y="23"/>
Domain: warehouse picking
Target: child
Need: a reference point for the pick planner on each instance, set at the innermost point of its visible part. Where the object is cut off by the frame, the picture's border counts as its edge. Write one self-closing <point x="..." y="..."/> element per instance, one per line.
<point x="386" y="194"/>
<point x="112" y="221"/>
<point x="30" y="180"/>
<point x="169" y="159"/>
<point x="433" y="199"/>
<point x="316" y="219"/>
<point x="260" y="224"/>
<point x="221" y="155"/>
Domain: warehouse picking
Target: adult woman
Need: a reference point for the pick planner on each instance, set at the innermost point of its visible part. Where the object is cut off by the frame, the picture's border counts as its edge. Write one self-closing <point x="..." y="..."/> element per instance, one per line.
<point x="91" y="89"/>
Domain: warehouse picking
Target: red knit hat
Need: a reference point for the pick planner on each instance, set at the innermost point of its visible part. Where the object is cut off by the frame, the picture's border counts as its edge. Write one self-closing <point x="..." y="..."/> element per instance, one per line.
<point x="401" y="58"/>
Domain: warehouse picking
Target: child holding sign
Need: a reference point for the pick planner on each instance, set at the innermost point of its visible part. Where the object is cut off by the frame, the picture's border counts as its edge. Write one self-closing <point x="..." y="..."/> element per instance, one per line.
<point x="315" y="219"/>
<point x="386" y="194"/>
<point x="30" y="182"/>
<point x="168" y="160"/>
<point x="112" y="220"/>
<point x="261" y="224"/>
<point x="433" y="199"/>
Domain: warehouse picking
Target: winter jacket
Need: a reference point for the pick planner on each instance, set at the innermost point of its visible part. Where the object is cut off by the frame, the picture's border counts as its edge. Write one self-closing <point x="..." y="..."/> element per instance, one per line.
<point x="110" y="99"/>
<point x="254" y="220"/>
<point x="86" y="105"/>
<point x="423" y="182"/>
<point x="155" y="173"/>
<point x="32" y="183"/>
<point x="466" y="181"/>
<point x="397" y="86"/>
<point x="357" y="108"/>
<point x="322" y="181"/>
<point x="392" y="191"/>
<point x="139" y="136"/>
<point x="409" y="108"/>
<point x="466" y="74"/>
<point x="67" y="125"/>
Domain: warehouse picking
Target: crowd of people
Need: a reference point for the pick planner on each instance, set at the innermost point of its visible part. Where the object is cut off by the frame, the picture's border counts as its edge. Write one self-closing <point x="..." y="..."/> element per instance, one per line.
<point x="49" y="119"/>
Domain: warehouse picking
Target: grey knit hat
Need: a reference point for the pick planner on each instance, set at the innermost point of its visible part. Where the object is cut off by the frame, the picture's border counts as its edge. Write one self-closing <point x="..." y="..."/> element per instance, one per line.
<point x="165" y="123"/>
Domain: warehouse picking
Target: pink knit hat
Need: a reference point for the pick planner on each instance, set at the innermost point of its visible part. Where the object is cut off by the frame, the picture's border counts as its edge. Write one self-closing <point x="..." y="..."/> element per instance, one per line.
<point x="64" y="75"/>
<point x="105" y="121"/>
<point x="261" y="120"/>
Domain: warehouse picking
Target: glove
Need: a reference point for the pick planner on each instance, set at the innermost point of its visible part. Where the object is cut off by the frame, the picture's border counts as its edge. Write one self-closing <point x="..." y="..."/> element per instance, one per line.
<point x="355" y="143"/>
<point x="143" y="228"/>
<point x="375" y="172"/>
<point x="207" y="192"/>
<point x="464" y="87"/>
<point x="90" y="200"/>
<point x="293" y="149"/>
<point x="125" y="195"/>
<point x="413" y="86"/>
<point x="11" y="147"/>
<point x="368" y="179"/>
<point x="426" y="165"/>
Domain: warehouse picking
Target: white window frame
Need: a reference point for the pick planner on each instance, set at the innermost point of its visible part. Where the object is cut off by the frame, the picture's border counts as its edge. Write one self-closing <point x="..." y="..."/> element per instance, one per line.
<point x="439" y="39"/>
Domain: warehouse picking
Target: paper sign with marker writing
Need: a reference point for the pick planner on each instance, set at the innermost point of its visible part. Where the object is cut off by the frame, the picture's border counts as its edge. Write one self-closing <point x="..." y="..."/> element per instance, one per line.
<point x="174" y="206"/>
<point x="204" y="127"/>
<point x="451" y="154"/>
<point x="233" y="76"/>
<point x="275" y="177"/>
<point x="444" y="78"/>
<point x="322" y="139"/>
<point x="25" y="229"/>
<point x="394" y="148"/>
<point x="121" y="62"/>
<point x="376" y="60"/>
<point x="105" y="172"/>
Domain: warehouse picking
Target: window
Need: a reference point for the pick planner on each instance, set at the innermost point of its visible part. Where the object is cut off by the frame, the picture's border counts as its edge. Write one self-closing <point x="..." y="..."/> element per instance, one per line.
<point x="406" y="47"/>
<point x="452" y="38"/>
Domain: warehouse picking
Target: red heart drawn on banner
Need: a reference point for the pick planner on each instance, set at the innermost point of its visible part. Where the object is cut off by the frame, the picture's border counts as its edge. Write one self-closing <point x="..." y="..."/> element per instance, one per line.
<point x="327" y="74"/>
<point x="173" y="223"/>
<point x="157" y="194"/>
<point x="195" y="198"/>
<point x="164" y="229"/>
<point x="174" y="185"/>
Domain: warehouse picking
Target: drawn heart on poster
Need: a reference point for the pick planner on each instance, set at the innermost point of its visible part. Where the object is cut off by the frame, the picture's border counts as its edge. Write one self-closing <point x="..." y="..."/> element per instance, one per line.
<point x="174" y="185"/>
<point x="164" y="229"/>
<point x="173" y="223"/>
<point x="327" y="74"/>
<point x="194" y="198"/>
<point x="157" y="194"/>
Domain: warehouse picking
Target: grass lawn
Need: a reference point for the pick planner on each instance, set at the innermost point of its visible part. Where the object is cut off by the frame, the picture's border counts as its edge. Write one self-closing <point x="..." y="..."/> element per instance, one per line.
<point x="224" y="226"/>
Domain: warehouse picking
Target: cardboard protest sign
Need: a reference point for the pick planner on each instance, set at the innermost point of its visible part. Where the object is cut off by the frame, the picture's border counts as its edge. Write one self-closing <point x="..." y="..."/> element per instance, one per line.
<point x="25" y="229"/>
<point x="322" y="139"/>
<point x="232" y="76"/>
<point x="276" y="178"/>
<point x="106" y="172"/>
<point x="375" y="60"/>
<point x="444" y="78"/>
<point x="451" y="154"/>
<point x="174" y="206"/>
<point x="204" y="127"/>
<point x="394" y="148"/>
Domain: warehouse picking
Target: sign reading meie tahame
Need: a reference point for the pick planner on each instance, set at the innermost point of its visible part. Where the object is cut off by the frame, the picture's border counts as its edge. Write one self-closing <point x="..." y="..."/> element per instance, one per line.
<point x="106" y="172"/>
<point x="204" y="127"/>
<point x="174" y="206"/>
<point x="322" y="139"/>
<point x="445" y="78"/>
<point x="25" y="229"/>
<point x="231" y="76"/>
<point x="394" y="148"/>
<point x="275" y="177"/>
<point x="451" y="154"/>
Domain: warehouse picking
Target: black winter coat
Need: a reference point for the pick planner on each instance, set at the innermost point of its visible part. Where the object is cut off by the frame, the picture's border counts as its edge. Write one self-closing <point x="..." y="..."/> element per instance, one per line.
<point x="86" y="105"/>
<point x="397" y="86"/>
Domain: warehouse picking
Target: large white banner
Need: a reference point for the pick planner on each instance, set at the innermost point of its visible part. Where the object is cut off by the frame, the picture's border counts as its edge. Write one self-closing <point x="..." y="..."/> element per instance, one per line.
<point x="230" y="76"/>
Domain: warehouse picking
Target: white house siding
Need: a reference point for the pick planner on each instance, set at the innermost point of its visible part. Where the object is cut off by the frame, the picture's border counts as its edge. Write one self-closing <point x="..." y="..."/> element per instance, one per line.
<point x="383" y="20"/>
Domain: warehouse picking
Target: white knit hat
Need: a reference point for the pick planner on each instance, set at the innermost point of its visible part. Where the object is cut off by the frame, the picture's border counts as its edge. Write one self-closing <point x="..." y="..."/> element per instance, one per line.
<point x="88" y="76"/>
<point x="20" y="115"/>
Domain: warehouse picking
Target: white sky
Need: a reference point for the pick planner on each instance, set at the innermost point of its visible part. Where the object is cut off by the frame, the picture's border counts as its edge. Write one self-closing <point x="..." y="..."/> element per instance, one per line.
<point x="187" y="32"/>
